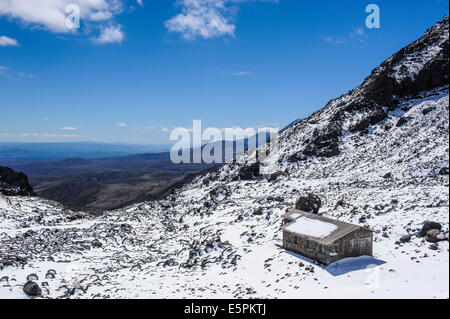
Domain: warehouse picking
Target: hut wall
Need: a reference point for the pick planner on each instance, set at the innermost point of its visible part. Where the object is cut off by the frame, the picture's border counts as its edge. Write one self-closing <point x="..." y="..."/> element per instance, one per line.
<point x="311" y="249"/>
<point x="356" y="243"/>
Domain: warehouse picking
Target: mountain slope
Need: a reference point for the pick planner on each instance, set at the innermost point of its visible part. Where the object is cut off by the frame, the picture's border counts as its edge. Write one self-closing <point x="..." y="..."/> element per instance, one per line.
<point x="377" y="156"/>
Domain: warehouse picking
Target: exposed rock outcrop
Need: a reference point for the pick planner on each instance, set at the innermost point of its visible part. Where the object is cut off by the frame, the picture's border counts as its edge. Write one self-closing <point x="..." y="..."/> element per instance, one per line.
<point x="13" y="183"/>
<point x="309" y="203"/>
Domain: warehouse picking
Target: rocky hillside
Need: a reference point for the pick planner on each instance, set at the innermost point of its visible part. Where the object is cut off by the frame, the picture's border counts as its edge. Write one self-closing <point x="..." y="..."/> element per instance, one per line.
<point x="377" y="156"/>
<point x="14" y="184"/>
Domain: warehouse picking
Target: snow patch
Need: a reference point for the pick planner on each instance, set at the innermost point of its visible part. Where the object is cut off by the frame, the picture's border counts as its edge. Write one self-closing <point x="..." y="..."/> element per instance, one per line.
<point x="311" y="227"/>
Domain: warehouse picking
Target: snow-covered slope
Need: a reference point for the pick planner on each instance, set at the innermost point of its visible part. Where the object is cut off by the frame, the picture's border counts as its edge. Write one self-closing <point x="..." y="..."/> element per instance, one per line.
<point x="377" y="156"/>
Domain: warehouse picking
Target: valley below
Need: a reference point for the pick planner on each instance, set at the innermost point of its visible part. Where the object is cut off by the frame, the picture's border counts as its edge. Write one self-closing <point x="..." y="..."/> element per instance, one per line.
<point x="98" y="185"/>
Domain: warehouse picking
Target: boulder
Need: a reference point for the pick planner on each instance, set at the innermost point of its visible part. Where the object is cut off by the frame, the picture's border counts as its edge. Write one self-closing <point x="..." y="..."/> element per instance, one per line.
<point x="96" y="243"/>
<point x="258" y="212"/>
<point x="428" y="110"/>
<point x="387" y="175"/>
<point x="32" y="289"/>
<point x="309" y="203"/>
<point x="405" y="239"/>
<point x="429" y="225"/>
<point x="444" y="171"/>
<point x="434" y="247"/>
<point x="403" y="121"/>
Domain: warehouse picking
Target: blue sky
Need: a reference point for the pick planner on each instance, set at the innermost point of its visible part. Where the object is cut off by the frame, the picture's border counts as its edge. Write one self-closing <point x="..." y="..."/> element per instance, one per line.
<point x="136" y="69"/>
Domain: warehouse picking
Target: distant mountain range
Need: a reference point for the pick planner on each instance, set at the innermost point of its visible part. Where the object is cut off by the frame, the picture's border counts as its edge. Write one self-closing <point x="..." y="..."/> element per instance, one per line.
<point x="95" y="177"/>
<point x="58" y="151"/>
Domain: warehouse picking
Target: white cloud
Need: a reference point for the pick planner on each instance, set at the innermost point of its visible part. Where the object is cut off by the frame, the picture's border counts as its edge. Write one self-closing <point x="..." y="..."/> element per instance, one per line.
<point x="358" y="31"/>
<point x="69" y="128"/>
<point x="165" y="130"/>
<point x="8" y="42"/>
<point x="25" y="75"/>
<point x="111" y="34"/>
<point x="332" y="40"/>
<point x="140" y="2"/>
<point x="241" y="73"/>
<point x="38" y="135"/>
<point x="121" y="124"/>
<point x="11" y="74"/>
<point x="51" y="15"/>
<point x="202" y="18"/>
<point x="206" y="18"/>
<point x="358" y="34"/>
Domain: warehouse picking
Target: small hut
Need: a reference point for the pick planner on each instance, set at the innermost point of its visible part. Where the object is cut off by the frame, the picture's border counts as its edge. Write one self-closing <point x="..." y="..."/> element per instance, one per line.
<point x="324" y="239"/>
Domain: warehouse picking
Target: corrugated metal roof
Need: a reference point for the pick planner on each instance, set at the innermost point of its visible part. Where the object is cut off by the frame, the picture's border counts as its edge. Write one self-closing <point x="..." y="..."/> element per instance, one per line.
<point x="342" y="230"/>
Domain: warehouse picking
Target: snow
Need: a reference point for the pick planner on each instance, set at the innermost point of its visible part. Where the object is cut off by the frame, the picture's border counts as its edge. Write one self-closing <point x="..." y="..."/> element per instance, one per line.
<point x="178" y="248"/>
<point x="311" y="227"/>
<point x="295" y="215"/>
<point x="200" y="243"/>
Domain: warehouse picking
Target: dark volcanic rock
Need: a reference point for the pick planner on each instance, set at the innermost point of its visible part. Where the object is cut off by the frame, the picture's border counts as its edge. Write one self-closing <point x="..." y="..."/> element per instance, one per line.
<point x="309" y="203"/>
<point x="429" y="225"/>
<point x="434" y="247"/>
<point x="403" y="121"/>
<point x="258" y="212"/>
<point x="249" y="172"/>
<point x="434" y="73"/>
<point x="330" y="151"/>
<point x="297" y="157"/>
<point x="32" y="289"/>
<point x="96" y="243"/>
<point x="14" y="184"/>
<point x="428" y="110"/>
<point x="405" y="239"/>
<point x="387" y="175"/>
<point x="370" y="119"/>
<point x="404" y="75"/>
<point x="444" y="171"/>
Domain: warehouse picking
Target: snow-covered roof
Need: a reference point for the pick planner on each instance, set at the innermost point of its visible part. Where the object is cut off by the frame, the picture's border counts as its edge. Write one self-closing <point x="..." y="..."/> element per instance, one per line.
<point x="311" y="227"/>
<point x="318" y="228"/>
